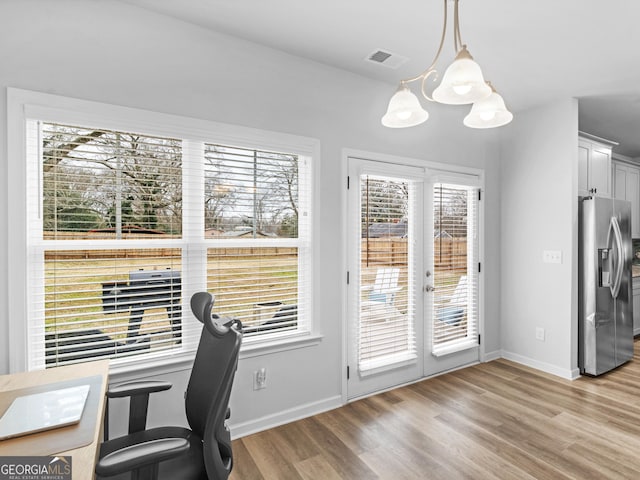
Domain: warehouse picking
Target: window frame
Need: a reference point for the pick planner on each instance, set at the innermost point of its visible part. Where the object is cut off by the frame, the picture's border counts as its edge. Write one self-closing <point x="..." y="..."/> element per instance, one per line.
<point x="23" y="105"/>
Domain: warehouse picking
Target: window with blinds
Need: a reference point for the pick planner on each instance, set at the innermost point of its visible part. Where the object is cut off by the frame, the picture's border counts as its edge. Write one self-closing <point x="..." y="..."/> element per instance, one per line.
<point x="386" y="334"/>
<point x="110" y="271"/>
<point x="101" y="184"/>
<point x="256" y="206"/>
<point x="455" y="301"/>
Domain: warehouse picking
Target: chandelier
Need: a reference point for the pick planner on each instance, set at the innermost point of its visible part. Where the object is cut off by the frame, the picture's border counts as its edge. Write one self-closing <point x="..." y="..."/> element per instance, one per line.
<point x="462" y="83"/>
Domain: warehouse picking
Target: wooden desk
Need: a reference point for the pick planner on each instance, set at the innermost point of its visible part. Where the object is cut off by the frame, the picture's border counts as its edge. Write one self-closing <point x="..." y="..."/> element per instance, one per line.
<point x="83" y="457"/>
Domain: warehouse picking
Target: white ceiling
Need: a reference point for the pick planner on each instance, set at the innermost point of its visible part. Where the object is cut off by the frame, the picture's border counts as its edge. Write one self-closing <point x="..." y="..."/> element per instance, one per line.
<point x="533" y="51"/>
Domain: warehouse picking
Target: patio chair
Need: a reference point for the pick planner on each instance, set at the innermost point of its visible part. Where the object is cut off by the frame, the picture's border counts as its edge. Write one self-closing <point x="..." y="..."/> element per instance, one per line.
<point x="454" y="310"/>
<point x="385" y="286"/>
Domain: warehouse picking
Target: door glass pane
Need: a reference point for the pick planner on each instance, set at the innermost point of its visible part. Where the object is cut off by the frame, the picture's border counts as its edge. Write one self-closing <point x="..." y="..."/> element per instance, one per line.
<point x="386" y="314"/>
<point x="455" y="241"/>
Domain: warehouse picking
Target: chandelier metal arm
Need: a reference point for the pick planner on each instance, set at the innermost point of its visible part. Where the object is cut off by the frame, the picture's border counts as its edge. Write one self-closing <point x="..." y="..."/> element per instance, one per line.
<point x="431" y="69"/>
<point x="457" y="39"/>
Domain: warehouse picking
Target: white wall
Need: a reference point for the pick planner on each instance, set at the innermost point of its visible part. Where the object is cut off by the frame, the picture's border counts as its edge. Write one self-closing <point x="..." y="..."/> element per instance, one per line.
<point x="115" y="53"/>
<point x="539" y="212"/>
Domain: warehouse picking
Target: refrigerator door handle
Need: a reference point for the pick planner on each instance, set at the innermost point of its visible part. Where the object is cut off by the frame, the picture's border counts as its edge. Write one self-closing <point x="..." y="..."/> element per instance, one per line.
<point x="619" y="260"/>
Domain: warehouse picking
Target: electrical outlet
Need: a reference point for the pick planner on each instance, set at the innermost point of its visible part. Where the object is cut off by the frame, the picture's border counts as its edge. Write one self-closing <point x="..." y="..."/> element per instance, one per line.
<point x="552" y="256"/>
<point x="260" y="379"/>
<point x="540" y="334"/>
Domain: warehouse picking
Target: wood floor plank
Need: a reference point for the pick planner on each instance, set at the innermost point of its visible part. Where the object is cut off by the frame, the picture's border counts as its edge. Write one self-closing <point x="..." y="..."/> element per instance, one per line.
<point x="497" y="420"/>
<point x="604" y="461"/>
<point x="388" y="463"/>
<point x="343" y="460"/>
<point x="243" y="465"/>
<point x="315" y="468"/>
<point x="270" y="460"/>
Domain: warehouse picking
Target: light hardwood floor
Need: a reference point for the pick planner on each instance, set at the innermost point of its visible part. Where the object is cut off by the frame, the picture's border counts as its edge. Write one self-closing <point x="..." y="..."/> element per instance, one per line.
<point x="494" y="420"/>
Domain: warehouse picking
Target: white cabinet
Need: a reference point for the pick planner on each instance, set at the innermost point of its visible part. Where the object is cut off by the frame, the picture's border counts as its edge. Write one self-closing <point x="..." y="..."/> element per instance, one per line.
<point x="594" y="168"/>
<point x="636" y="305"/>
<point x="626" y="186"/>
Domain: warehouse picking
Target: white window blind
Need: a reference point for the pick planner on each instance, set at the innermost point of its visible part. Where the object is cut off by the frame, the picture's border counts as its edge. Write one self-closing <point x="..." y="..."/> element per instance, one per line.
<point x="257" y="207"/>
<point x="114" y="256"/>
<point x="105" y="270"/>
<point x="102" y="184"/>
<point x="455" y="305"/>
<point x="386" y="334"/>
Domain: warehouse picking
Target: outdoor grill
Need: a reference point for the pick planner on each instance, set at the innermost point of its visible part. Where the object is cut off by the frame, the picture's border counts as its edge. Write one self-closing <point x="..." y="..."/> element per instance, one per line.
<point x="145" y="289"/>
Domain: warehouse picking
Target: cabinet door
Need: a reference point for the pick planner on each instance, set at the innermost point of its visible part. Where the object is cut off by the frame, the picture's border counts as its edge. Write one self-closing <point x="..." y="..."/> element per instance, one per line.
<point x="619" y="181"/>
<point x="633" y="195"/>
<point x="583" y="169"/>
<point x="600" y="171"/>
<point x="636" y="306"/>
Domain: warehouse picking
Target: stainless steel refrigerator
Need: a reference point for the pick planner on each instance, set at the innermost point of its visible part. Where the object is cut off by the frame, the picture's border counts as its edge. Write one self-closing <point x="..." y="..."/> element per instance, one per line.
<point x="605" y="311"/>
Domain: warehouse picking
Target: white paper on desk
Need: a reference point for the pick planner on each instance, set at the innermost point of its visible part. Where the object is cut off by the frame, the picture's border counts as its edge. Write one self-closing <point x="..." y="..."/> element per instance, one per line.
<point x="43" y="411"/>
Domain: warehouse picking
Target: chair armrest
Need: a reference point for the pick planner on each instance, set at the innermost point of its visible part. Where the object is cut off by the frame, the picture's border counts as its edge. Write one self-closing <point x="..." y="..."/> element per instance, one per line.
<point x="138" y="392"/>
<point x="137" y="388"/>
<point x="141" y="455"/>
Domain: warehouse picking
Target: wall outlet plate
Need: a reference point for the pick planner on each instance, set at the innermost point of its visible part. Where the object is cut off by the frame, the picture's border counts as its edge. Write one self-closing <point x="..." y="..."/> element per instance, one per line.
<point x="540" y="334"/>
<point x="552" y="256"/>
<point x="260" y="379"/>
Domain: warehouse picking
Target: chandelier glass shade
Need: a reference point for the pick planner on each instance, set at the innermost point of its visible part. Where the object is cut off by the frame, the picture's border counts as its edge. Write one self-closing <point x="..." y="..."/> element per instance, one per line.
<point x="404" y="110"/>
<point x="489" y="112"/>
<point x="462" y="83"/>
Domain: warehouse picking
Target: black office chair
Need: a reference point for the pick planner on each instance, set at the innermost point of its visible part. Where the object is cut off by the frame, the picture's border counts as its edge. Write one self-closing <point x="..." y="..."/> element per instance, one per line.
<point x="204" y="450"/>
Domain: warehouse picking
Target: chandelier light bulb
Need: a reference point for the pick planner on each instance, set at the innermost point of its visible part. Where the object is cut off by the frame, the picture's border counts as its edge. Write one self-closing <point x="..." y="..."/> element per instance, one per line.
<point x="462" y="88"/>
<point x="486" y="116"/>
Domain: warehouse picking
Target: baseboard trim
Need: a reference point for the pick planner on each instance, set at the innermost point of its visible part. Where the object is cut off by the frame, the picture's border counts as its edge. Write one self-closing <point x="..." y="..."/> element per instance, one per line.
<point x="567" y="374"/>
<point x="490" y="356"/>
<point x="286" y="416"/>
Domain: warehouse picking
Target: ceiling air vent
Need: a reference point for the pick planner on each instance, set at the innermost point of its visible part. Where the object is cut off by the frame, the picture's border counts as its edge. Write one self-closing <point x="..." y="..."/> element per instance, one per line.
<point x="386" y="59"/>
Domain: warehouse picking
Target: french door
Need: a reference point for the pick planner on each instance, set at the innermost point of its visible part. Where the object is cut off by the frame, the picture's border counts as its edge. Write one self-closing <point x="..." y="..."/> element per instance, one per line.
<point x="412" y="293"/>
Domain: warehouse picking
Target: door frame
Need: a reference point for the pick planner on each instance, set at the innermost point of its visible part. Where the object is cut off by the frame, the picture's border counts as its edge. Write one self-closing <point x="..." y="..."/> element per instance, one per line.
<point x="443" y="169"/>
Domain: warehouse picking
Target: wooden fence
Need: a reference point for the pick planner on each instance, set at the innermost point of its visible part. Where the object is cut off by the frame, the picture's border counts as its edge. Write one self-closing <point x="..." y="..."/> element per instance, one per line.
<point x="131" y="253"/>
<point x="449" y="253"/>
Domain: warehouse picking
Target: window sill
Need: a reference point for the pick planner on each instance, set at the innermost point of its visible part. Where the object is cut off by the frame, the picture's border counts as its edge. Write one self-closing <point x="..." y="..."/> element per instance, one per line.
<point x="267" y="347"/>
<point x="453" y="347"/>
<point x="386" y="364"/>
<point x="150" y="367"/>
<point x="162" y="365"/>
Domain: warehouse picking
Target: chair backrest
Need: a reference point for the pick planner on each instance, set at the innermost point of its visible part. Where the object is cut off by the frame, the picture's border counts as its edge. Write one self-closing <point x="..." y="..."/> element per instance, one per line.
<point x="459" y="296"/>
<point x="209" y="388"/>
<point x="386" y="280"/>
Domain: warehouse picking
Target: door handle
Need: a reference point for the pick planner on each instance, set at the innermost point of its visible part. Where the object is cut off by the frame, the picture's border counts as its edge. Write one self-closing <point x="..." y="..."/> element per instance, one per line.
<point x="616" y="256"/>
<point x="619" y="257"/>
<point x="429" y="288"/>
